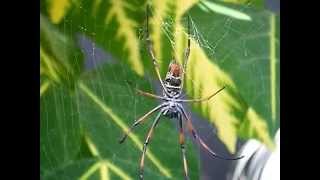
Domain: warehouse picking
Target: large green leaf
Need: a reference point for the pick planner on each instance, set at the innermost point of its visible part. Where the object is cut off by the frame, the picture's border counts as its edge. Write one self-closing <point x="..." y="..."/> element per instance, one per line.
<point x="112" y="24"/>
<point x="60" y="59"/>
<point x="103" y="121"/>
<point x="220" y="9"/>
<point x="72" y="170"/>
<point x="59" y="129"/>
<point x="256" y="3"/>
<point x="234" y="112"/>
<point x="249" y="53"/>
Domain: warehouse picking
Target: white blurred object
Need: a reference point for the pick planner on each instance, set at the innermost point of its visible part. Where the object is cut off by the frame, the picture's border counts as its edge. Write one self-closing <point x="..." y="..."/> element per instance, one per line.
<point x="259" y="162"/>
<point x="272" y="169"/>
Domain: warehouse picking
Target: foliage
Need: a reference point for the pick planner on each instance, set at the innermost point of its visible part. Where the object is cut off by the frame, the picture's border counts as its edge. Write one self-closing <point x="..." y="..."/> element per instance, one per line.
<point x="83" y="113"/>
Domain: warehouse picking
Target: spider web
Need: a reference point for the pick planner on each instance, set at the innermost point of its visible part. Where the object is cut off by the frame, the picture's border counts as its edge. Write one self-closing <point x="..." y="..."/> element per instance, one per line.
<point x="224" y="39"/>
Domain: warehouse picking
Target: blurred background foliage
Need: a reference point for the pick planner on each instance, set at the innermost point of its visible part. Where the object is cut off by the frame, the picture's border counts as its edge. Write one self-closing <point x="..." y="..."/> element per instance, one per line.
<point x="84" y="111"/>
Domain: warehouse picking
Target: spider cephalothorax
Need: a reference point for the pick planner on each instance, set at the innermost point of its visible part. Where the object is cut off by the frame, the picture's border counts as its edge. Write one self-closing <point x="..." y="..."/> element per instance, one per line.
<point x="173" y="79"/>
<point x="171" y="106"/>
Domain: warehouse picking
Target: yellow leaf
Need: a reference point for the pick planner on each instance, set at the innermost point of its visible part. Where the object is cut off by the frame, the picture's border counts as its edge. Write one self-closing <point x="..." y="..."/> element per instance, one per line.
<point x="104" y="165"/>
<point x="44" y="87"/>
<point x="127" y="31"/>
<point x="222" y="110"/>
<point x="236" y="1"/>
<point x="117" y="120"/>
<point x="181" y="8"/>
<point x="254" y="126"/>
<point x="58" y="9"/>
<point x="159" y="14"/>
<point x="208" y="78"/>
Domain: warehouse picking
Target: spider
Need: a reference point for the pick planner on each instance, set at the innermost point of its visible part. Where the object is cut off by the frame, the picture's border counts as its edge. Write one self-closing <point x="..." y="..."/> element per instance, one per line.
<point x="171" y="106"/>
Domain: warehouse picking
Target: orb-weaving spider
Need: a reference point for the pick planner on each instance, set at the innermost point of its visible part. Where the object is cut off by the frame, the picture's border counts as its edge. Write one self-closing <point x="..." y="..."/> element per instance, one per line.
<point x="171" y="107"/>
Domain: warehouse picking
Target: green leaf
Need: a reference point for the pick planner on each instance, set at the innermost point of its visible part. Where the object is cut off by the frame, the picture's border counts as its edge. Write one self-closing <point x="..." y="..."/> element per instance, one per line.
<point x="44" y="87"/>
<point x="93" y="110"/>
<point x="104" y="123"/>
<point x="127" y="31"/>
<point x="60" y="59"/>
<point x="158" y="16"/>
<point x="59" y="129"/>
<point x="256" y="3"/>
<point x="112" y="24"/>
<point x="246" y="61"/>
<point x="72" y="170"/>
<point x="220" y="9"/>
<point x="103" y="165"/>
<point x="231" y="110"/>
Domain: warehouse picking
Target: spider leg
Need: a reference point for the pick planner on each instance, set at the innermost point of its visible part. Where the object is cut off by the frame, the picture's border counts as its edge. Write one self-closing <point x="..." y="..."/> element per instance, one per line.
<point x="151" y="53"/>
<point x="200" y="99"/>
<point x="182" y="146"/>
<point x="155" y="122"/>
<point x="143" y="93"/>
<point x="196" y="137"/>
<point x="186" y="54"/>
<point x="140" y="120"/>
<point x="140" y="92"/>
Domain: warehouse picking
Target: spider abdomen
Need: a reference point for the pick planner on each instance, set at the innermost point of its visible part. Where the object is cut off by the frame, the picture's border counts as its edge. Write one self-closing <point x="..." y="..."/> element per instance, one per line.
<point x="171" y="110"/>
<point x="171" y="114"/>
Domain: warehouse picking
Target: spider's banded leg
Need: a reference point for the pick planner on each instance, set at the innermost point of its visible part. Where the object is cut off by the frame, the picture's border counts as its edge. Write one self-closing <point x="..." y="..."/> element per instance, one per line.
<point x="186" y="57"/>
<point x="146" y="144"/>
<point x="197" y="138"/>
<point x="140" y="92"/>
<point x="187" y="51"/>
<point x="140" y="120"/>
<point x="200" y="99"/>
<point x="151" y="53"/>
<point x="182" y="146"/>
